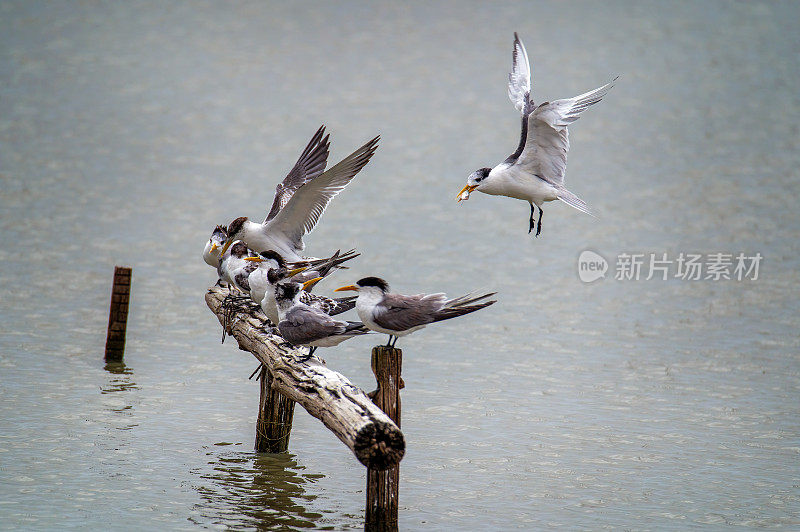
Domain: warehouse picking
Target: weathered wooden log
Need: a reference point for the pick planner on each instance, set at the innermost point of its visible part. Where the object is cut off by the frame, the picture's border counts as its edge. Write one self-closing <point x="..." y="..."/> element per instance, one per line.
<point x="383" y="486"/>
<point x="118" y="314"/>
<point x="371" y="435"/>
<point x="275" y="412"/>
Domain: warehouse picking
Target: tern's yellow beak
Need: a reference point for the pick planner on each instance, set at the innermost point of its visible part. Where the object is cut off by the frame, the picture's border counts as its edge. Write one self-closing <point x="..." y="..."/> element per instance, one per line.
<point x="348" y="287"/>
<point x="311" y="282"/>
<point x="299" y="270"/>
<point x="213" y="247"/>
<point x="468" y="189"/>
<point x="225" y="247"/>
<point x="254" y="259"/>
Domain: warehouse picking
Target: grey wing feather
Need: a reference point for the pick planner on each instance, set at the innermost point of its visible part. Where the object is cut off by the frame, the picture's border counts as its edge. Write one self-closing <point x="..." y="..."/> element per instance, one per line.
<point x="547" y="143"/>
<point x="330" y="306"/>
<point x="302" y="325"/>
<point x="304" y="208"/>
<point x="400" y="312"/>
<point x="519" y="79"/>
<point x="309" y="165"/>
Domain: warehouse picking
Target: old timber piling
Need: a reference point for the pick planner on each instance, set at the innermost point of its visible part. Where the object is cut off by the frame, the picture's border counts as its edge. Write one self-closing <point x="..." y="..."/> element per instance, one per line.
<point x="372" y="436"/>
<point x="118" y="314"/>
<point x="383" y="486"/>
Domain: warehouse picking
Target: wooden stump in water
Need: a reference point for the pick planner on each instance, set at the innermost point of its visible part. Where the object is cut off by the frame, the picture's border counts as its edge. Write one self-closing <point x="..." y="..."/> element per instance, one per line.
<point x="275" y="412"/>
<point x="383" y="486"/>
<point x="118" y="314"/>
<point x="345" y="409"/>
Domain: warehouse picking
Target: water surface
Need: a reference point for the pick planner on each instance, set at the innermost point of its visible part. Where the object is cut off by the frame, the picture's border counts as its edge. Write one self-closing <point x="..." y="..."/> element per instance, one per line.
<point x="127" y="131"/>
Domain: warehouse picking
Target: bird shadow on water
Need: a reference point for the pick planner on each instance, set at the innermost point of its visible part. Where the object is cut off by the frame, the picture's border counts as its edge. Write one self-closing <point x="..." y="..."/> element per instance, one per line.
<point x="253" y="490"/>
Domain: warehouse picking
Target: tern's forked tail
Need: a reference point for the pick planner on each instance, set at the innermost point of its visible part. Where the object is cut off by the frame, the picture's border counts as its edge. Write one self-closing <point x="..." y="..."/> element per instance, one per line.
<point x="462" y="305"/>
<point x="573" y="201"/>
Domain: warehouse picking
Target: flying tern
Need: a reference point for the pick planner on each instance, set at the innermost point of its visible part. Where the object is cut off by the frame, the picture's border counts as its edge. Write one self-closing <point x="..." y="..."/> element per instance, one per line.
<point x="398" y="315"/>
<point x="535" y="171"/>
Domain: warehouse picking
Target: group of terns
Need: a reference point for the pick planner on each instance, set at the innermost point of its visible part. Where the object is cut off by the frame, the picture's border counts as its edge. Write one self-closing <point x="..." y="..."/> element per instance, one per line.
<point x="265" y="262"/>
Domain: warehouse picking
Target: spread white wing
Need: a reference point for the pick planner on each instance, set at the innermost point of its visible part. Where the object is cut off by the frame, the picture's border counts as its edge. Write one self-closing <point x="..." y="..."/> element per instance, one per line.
<point x="309" y="165"/>
<point x="303" y="210"/>
<point x="519" y="79"/>
<point x="547" y="143"/>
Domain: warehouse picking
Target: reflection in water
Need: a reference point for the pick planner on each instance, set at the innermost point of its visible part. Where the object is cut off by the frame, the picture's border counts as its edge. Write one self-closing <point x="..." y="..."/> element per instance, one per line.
<point x="257" y="490"/>
<point x="121" y="382"/>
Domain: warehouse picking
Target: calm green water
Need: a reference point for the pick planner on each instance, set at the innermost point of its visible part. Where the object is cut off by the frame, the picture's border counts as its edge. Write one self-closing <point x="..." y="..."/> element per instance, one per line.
<point x="127" y="131"/>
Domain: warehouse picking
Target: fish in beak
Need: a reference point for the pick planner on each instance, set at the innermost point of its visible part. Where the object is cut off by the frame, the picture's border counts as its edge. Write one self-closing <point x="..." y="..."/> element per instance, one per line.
<point x="465" y="192"/>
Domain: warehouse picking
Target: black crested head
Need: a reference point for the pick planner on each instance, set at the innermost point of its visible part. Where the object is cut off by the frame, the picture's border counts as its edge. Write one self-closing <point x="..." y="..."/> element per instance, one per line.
<point x="273" y="255"/>
<point x="287" y="290"/>
<point x="276" y="274"/>
<point x="481" y="174"/>
<point x="236" y="226"/>
<point x="373" y="281"/>
<point x="239" y="249"/>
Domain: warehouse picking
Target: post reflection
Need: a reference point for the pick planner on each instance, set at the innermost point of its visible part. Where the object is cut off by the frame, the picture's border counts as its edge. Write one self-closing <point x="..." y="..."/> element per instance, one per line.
<point x="120" y="380"/>
<point x="265" y="491"/>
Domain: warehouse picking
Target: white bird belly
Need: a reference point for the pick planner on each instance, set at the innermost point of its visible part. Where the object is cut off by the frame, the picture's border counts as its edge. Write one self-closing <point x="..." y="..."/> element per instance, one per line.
<point x="257" y="240"/>
<point x="269" y="305"/>
<point x="516" y="183"/>
<point x="330" y="341"/>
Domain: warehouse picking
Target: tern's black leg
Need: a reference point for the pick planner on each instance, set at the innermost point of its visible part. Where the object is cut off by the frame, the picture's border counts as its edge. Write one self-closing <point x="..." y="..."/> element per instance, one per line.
<point x="395" y="341"/>
<point x="539" y="224"/>
<point x="532" y="224"/>
<point x="389" y="341"/>
<point x="309" y="355"/>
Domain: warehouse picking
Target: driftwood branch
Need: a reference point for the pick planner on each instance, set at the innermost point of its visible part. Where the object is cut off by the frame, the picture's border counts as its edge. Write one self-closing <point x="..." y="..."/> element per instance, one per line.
<point x="327" y="395"/>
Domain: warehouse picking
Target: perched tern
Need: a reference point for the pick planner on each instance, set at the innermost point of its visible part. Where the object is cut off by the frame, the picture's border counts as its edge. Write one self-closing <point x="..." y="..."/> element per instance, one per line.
<point x="273" y="270"/>
<point x="310" y="267"/>
<point x="266" y="264"/>
<point x="398" y="315"/>
<point x="301" y="324"/>
<point x="535" y="172"/>
<point x="299" y="203"/>
<point x="234" y="269"/>
<point x="214" y="246"/>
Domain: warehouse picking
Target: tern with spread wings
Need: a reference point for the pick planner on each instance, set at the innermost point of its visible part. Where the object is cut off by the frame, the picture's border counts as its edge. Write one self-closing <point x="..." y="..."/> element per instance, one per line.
<point x="535" y="171"/>
<point x="300" y="200"/>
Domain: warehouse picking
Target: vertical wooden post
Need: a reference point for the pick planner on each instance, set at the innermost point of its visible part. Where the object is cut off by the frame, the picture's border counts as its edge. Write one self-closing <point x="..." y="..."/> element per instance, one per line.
<point x="118" y="315"/>
<point x="383" y="486"/>
<point x="275" y="413"/>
